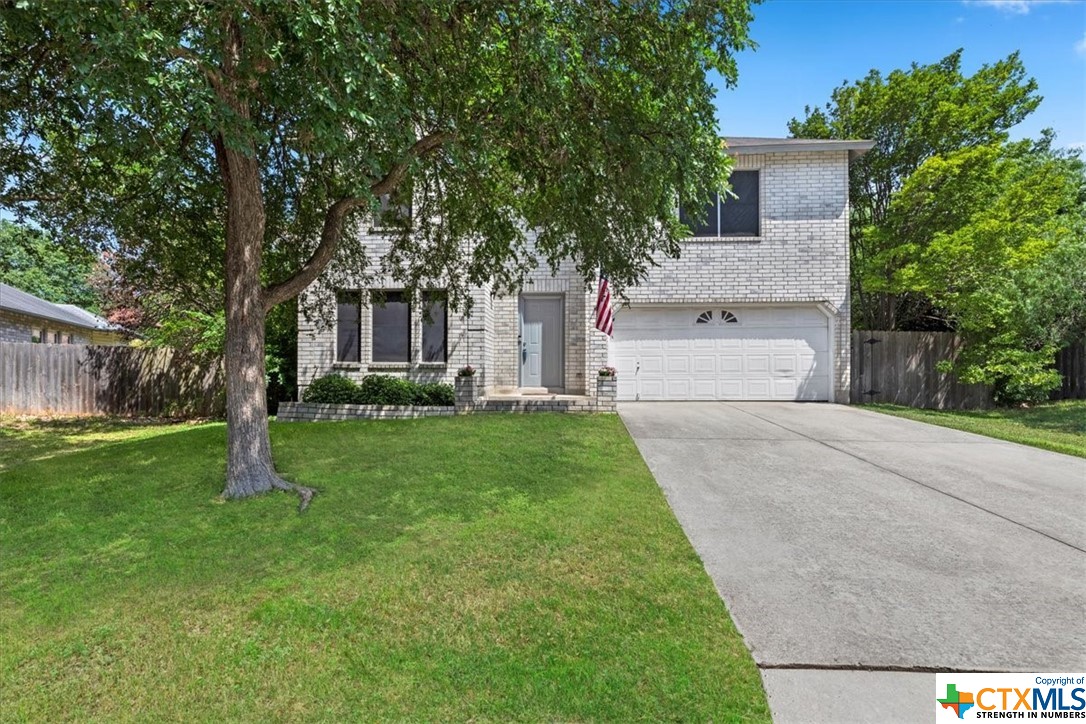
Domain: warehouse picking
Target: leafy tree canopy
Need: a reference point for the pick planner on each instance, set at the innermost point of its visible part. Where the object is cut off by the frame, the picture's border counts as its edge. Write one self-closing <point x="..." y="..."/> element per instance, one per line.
<point x="503" y="116"/>
<point x="912" y="115"/>
<point x="993" y="235"/>
<point x="31" y="261"/>
<point x="187" y="134"/>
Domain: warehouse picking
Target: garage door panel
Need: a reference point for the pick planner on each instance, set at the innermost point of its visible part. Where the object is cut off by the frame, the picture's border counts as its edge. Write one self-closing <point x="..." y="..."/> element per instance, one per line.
<point x="730" y="389"/>
<point x="705" y="389"/>
<point x="731" y="364"/>
<point x="652" y="364"/>
<point x="652" y="389"/>
<point x="678" y="389"/>
<point x="757" y="390"/>
<point x="704" y="364"/>
<point x="677" y="364"/>
<point x="756" y="364"/>
<point x="785" y="389"/>
<point x="770" y="353"/>
<point x="785" y="364"/>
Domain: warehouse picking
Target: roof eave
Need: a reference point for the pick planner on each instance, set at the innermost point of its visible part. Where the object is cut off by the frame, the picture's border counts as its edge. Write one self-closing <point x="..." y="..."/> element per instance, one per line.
<point x="855" y="148"/>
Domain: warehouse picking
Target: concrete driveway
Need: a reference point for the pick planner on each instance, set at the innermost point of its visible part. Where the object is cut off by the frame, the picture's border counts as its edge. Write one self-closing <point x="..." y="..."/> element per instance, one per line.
<point x="857" y="551"/>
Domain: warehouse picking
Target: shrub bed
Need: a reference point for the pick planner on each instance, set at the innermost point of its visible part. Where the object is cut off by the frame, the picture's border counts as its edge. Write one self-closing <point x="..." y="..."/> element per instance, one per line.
<point x="378" y="390"/>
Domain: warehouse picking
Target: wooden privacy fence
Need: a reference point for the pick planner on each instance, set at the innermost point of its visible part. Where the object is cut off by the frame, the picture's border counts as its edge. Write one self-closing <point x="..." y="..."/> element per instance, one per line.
<point x="900" y="368"/>
<point x="88" y="380"/>
<point x="1071" y="363"/>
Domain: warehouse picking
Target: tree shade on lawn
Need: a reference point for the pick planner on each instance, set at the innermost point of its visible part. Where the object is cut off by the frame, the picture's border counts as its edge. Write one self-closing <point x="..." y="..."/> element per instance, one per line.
<point x="473" y="568"/>
<point x="280" y="126"/>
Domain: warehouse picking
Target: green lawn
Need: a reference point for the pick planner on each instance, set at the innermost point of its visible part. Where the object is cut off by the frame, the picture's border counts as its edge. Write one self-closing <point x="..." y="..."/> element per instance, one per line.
<point x="483" y="567"/>
<point x="1058" y="426"/>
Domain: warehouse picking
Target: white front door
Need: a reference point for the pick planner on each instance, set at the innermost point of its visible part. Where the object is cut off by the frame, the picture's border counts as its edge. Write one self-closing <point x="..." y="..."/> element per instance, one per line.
<point x="542" y="338"/>
<point x="716" y="352"/>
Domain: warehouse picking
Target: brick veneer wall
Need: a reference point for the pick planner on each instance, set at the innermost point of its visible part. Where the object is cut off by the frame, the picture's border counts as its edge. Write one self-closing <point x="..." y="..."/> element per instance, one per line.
<point x="314" y="411"/>
<point x="800" y="257"/>
<point x="15" y="327"/>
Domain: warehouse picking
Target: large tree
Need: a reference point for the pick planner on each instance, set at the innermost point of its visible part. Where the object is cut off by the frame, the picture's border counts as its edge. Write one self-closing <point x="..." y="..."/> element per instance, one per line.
<point x="33" y="262"/>
<point x="138" y="126"/>
<point x="912" y="115"/>
<point x="993" y="235"/>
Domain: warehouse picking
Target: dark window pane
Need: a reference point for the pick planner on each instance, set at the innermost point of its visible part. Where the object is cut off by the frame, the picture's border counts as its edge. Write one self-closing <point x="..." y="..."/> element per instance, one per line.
<point x="348" y="320"/>
<point x="391" y="328"/>
<point x="395" y="208"/>
<point x="433" y="327"/>
<point x="739" y="215"/>
<point x="707" y="226"/>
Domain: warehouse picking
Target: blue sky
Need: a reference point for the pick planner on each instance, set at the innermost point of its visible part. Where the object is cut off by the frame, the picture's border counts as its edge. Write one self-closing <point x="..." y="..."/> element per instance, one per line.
<point x="806" y="48"/>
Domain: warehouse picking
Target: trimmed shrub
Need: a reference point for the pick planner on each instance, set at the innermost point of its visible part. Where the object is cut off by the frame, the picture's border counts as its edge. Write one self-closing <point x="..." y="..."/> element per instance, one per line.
<point x="435" y="393"/>
<point x="385" y="390"/>
<point x="331" y="389"/>
<point x="378" y="390"/>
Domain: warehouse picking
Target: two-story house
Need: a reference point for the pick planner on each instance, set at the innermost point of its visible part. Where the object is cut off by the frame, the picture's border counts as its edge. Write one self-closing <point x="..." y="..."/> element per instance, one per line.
<point x="755" y="308"/>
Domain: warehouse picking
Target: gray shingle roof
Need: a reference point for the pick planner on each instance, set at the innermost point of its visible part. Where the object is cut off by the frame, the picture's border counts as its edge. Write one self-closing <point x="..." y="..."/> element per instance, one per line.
<point x="18" y="301"/>
<point x="752" y="144"/>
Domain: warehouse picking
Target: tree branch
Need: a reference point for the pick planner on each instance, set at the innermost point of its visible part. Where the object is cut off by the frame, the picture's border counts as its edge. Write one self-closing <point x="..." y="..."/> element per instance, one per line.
<point x="212" y="75"/>
<point x="337" y="213"/>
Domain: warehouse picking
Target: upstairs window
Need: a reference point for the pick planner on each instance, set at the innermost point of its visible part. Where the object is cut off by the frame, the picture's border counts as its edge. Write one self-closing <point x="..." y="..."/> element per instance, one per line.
<point x="730" y="214"/>
<point x="348" y="326"/>
<point x="395" y="209"/>
<point x="391" y="327"/>
<point x="739" y="215"/>
<point x="707" y="223"/>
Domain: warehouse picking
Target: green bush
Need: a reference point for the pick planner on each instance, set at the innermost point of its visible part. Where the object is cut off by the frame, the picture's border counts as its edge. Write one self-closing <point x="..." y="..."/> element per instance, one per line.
<point x="378" y="390"/>
<point x="434" y="393"/>
<point x="385" y="390"/>
<point x="331" y="389"/>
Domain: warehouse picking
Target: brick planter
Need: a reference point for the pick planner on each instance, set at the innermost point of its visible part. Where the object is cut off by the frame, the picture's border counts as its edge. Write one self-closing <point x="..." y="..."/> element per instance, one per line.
<point x="606" y="390"/>
<point x="316" y="411"/>
<point x="467" y="393"/>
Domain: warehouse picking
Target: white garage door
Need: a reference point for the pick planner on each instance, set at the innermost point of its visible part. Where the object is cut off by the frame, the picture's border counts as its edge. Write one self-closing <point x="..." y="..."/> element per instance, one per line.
<point x="722" y="353"/>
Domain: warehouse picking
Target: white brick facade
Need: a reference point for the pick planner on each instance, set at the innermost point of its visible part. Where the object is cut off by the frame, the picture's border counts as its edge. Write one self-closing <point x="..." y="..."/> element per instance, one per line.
<point x="801" y="256"/>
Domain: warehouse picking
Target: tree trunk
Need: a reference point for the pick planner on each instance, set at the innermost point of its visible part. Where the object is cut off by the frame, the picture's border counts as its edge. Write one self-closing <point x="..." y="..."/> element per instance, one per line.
<point x="249" y="468"/>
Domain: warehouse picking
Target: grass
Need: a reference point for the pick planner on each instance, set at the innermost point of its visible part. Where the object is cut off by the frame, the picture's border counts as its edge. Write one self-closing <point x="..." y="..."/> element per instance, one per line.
<point x="1057" y="426"/>
<point x="483" y="568"/>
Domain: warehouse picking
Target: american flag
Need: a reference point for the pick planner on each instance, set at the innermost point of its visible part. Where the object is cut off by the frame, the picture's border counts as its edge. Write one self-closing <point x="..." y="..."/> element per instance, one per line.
<point x="605" y="316"/>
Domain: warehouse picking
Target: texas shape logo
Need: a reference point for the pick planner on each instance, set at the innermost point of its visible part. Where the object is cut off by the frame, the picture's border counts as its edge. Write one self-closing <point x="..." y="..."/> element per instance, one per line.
<point x="957" y="701"/>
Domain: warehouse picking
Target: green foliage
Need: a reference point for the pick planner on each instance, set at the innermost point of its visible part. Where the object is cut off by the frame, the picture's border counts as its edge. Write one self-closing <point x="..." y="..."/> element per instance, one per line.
<point x="386" y="390"/>
<point x="913" y="115"/>
<point x="1058" y="426"/>
<point x="331" y="389"/>
<point x="532" y="115"/>
<point x="197" y="332"/>
<point x="993" y="235"/>
<point x="30" y="260"/>
<point x="435" y="393"/>
<point x="378" y="390"/>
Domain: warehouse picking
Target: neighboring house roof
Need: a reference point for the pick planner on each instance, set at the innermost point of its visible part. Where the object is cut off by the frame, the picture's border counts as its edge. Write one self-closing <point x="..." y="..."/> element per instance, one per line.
<point x="20" y="302"/>
<point x="750" y="144"/>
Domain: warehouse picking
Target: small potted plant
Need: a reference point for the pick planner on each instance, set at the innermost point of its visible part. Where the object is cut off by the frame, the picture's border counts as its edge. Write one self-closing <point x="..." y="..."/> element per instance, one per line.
<point x="607" y="372"/>
<point x="467" y="392"/>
